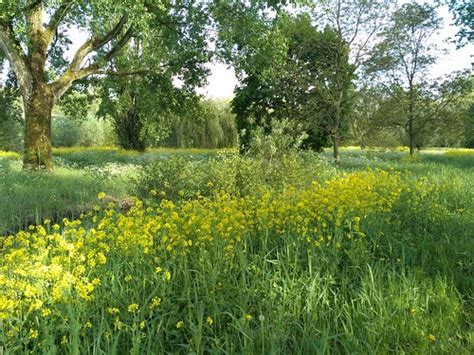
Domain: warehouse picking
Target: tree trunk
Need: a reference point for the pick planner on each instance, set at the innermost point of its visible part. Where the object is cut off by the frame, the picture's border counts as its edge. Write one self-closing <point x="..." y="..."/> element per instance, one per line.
<point x="336" y="144"/>
<point x="411" y="133"/>
<point x="412" y="145"/>
<point x="38" y="108"/>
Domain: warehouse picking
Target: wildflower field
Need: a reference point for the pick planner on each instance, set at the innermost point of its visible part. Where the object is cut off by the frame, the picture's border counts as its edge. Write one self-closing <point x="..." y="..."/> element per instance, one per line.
<point x="212" y="252"/>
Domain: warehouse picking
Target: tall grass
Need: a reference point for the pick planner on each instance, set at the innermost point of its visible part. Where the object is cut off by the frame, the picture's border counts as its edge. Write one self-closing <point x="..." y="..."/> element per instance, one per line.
<point x="366" y="262"/>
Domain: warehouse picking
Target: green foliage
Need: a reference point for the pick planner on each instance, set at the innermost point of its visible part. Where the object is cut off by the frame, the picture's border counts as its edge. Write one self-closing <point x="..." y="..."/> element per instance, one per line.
<point x="310" y="86"/>
<point x="463" y="11"/>
<point x="469" y="140"/>
<point x="89" y="132"/>
<point x="65" y="132"/>
<point x="11" y="119"/>
<point x="139" y="105"/>
<point x="404" y="49"/>
<point x="184" y="177"/>
<point x="208" y="124"/>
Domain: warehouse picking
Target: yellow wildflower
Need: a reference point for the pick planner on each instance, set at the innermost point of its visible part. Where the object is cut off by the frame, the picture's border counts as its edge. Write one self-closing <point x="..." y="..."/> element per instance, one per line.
<point x="113" y="310"/>
<point x="155" y="302"/>
<point x="133" y="308"/>
<point x="33" y="334"/>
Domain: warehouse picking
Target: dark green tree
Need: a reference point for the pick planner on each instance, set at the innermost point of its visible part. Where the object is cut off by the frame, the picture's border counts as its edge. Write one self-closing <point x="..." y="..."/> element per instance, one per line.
<point x="302" y="87"/>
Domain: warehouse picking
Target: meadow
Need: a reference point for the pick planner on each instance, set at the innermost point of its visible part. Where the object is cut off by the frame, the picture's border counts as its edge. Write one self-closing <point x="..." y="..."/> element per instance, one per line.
<point x="211" y="252"/>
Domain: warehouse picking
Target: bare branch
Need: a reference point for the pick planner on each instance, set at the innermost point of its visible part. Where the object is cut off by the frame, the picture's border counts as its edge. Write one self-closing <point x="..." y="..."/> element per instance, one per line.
<point x="124" y="73"/>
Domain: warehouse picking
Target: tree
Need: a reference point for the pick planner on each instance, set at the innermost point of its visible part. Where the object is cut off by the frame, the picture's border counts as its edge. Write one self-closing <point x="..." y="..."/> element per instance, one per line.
<point x="371" y="115"/>
<point x="138" y="105"/>
<point x="357" y="24"/>
<point x="301" y="87"/>
<point x="438" y="111"/>
<point x="210" y="124"/>
<point x="34" y="36"/>
<point x="463" y="11"/>
<point x="403" y="57"/>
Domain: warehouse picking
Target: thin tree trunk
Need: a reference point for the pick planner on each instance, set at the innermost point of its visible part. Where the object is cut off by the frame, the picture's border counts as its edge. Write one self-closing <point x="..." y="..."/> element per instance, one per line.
<point x="38" y="108"/>
<point x="336" y="144"/>
<point x="412" y="145"/>
<point x="337" y="130"/>
<point x="411" y="133"/>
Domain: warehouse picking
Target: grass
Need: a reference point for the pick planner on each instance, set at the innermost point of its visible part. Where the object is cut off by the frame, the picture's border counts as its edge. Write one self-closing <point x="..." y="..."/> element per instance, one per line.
<point x="80" y="174"/>
<point x="222" y="275"/>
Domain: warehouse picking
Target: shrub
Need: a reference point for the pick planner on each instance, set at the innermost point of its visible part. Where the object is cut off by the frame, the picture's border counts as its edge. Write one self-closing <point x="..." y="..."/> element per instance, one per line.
<point x="187" y="177"/>
<point x="68" y="132"/>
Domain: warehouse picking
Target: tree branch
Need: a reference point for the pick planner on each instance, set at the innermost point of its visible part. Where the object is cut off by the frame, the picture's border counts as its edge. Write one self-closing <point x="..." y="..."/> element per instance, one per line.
<point x="16" y="57"/>
<point x="75" y="72"/>
<point x="95" y="43"/>
<point x="31" y="6"/>
<point x="57" y="17"/>
<point x="124" y="73"/>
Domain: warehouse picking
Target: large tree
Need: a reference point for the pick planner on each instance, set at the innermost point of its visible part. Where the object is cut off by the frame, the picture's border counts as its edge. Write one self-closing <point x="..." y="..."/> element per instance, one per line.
<point x="301" y="85"/>
<point x="35" y="36"/>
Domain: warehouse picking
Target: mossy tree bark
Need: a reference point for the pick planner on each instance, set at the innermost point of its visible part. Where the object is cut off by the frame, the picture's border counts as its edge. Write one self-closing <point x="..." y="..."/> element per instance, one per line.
<point x="37" y="149"/>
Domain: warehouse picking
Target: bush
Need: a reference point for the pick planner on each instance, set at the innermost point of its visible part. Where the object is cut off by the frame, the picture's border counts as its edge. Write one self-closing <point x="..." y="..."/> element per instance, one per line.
<point x="187" y="177"/>
<point x="273" y="161"/>
<point x="67" y="132"/>
<point x="11" y="120"/>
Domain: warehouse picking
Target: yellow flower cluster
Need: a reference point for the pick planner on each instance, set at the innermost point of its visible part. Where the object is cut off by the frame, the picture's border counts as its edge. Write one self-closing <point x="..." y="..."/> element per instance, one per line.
<point x="45" y="266"/>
